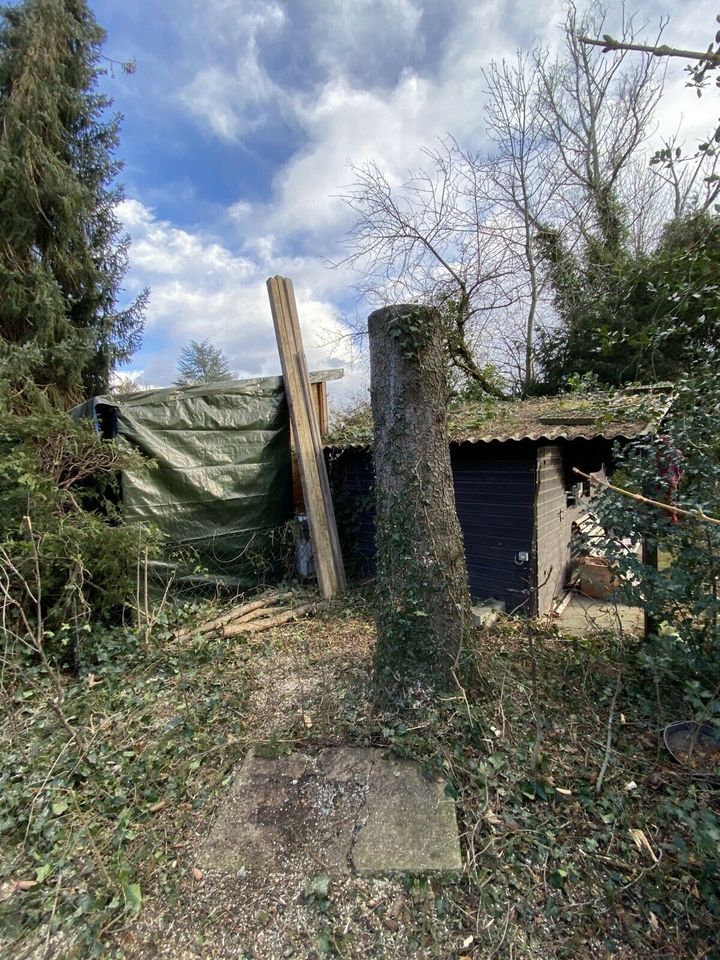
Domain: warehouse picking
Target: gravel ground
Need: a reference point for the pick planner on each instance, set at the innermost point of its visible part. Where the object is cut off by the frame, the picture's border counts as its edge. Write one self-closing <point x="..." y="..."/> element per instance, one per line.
<point x="311" y="680"/>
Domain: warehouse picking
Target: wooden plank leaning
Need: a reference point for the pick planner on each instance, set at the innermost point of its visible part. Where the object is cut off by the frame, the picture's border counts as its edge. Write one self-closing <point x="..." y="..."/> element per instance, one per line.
<point x="306" y="435"/>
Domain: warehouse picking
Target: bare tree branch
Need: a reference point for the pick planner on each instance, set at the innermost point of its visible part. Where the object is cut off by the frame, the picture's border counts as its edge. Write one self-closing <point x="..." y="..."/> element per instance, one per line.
<point x="608" y="44"/>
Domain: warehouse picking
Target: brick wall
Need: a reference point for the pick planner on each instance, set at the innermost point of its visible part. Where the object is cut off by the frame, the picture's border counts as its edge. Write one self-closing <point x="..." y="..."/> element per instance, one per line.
<point x="552" y="527"/>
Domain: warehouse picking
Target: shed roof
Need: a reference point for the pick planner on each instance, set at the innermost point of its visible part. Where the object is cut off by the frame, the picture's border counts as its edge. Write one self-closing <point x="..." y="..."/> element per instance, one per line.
<point x="627" y="414"/>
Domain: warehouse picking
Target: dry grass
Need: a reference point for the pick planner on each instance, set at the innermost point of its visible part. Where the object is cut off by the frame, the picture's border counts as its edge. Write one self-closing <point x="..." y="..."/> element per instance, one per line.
<point x="554" y="868"/>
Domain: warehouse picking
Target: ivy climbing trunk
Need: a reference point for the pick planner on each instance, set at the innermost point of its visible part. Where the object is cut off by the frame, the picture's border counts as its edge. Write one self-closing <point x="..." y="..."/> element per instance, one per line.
<point x="422" y="578"/>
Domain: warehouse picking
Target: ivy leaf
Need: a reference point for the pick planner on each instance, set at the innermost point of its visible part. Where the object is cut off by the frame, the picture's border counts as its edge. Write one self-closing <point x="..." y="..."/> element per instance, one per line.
<point x="323" y="942"/>
<point x="318" y="887"/>
<point x="451" y="792"/>
<point x="133" y="898"/>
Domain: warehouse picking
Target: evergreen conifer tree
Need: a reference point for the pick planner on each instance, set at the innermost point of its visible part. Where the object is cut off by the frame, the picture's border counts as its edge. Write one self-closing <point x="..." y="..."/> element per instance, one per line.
<point x="201" y="362"/>
<point x="63" y="254"/>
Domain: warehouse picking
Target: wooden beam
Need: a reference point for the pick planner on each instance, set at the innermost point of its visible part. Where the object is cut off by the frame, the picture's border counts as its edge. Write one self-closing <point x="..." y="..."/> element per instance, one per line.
<point x="322" y="376"/>
<point x="321" y="406"/>
<point x="306" y="435"/>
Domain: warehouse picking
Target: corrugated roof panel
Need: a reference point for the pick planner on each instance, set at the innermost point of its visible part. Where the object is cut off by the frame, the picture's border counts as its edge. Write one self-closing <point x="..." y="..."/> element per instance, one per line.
<point x="626" y="414"/>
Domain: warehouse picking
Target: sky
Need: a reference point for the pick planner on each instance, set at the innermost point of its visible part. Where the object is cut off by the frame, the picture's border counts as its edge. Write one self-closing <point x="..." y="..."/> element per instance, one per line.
<point x="240" y="122"/>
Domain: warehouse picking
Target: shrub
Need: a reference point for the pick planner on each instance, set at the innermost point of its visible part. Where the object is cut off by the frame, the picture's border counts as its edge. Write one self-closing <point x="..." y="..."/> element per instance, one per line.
<point x="679" y="465"/>
<point x="65" y="557"/>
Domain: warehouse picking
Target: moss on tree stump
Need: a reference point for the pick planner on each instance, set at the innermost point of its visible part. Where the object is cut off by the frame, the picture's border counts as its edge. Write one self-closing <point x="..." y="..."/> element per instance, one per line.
<point x="423" y="587"/>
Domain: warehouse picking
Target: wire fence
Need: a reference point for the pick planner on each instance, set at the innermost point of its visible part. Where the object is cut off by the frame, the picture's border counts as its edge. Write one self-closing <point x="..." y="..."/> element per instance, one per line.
<point x="207" y="570"/>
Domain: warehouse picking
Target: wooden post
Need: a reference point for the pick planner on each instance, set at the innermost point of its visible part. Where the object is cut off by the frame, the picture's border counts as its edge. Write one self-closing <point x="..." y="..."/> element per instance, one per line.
<point x="650" y="558"/>
<point x="306" y="435"/>
<point x="321" y="405"/>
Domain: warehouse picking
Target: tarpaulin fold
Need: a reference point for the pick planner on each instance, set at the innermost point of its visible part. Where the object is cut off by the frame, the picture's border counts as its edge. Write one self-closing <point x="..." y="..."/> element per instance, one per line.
<point x="221" y="475"/>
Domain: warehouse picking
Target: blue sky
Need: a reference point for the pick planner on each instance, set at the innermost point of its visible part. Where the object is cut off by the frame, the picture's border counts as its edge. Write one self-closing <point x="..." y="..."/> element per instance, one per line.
<point x="239" y="124"/>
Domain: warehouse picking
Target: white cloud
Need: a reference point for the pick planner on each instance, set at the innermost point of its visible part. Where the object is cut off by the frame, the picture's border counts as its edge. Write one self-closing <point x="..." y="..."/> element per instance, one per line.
<point x="248" y="58"/>
<point x="352" y="79"/>
<point x="347" y="124"/>
<point x="343" y="121"/>
<point x="127" y="377"/>
<point x="200" y="289"/>
<point x="229" y="98"/>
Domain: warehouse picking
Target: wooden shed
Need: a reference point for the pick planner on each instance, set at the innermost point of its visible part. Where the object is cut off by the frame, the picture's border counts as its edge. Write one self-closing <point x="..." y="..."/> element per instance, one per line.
<point x="516" y="494"/>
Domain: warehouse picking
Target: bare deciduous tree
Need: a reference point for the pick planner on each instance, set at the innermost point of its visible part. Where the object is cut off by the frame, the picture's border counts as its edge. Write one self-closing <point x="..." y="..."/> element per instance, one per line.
<point x="596" y="112"/>
<point x="432" y="240"/>
<point x="693" y="178"/>
<point x="476" y="234"/>
<point x="524" y="185"/>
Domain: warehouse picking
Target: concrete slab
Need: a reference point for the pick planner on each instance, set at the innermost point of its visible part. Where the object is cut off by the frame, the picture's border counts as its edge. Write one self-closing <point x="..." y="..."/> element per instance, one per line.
<point x="586" y="615"/>
<point x="411" y="825"/>
<point x="347" y="808"/>
<point x="290" y="810"/>
<point x="483" y="616"/>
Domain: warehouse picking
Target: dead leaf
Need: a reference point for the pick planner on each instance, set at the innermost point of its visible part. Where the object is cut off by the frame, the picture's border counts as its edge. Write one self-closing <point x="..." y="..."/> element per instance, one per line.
<point x="157" y="807"/>
<point x="395" y="908"/>
<point x="197" y="873"/>
<point x="642" y="842"/>
<point x="653" y="920"/>
<point x="630" y="786"/>
<point x="25" y="884"/>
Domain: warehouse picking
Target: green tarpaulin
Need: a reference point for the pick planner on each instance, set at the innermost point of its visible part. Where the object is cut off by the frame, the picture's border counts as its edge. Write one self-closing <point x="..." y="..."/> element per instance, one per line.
<point x="222" y="475"/>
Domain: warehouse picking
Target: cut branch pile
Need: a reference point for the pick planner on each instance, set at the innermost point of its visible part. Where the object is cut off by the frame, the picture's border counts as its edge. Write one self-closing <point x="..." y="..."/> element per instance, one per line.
<point x="255" y="616"/>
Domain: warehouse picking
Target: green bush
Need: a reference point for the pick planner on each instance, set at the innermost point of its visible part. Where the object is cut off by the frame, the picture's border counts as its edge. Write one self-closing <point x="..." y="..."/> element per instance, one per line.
<point x="65" y="556"/>
<point x="682" y="597"/>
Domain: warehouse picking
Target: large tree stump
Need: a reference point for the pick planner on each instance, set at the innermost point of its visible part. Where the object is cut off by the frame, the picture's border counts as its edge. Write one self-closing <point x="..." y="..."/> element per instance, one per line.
<point x="422" y="576"/>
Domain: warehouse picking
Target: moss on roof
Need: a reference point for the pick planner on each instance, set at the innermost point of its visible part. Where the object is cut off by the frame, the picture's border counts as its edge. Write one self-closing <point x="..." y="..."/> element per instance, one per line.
<point x="625" y="413"/>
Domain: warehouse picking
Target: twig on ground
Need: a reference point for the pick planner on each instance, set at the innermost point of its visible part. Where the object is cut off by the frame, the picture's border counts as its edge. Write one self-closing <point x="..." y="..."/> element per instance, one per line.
<point x="496" y="948"/>
<point x="52" y="915"/>
<point x="608" y="744"/>
<point x="240" y="612"/>
<point x="257" y="626"/>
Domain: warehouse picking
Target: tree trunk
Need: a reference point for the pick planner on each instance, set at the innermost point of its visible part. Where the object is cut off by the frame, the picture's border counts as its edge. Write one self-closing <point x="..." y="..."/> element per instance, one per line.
<point x="423" y="586"/>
